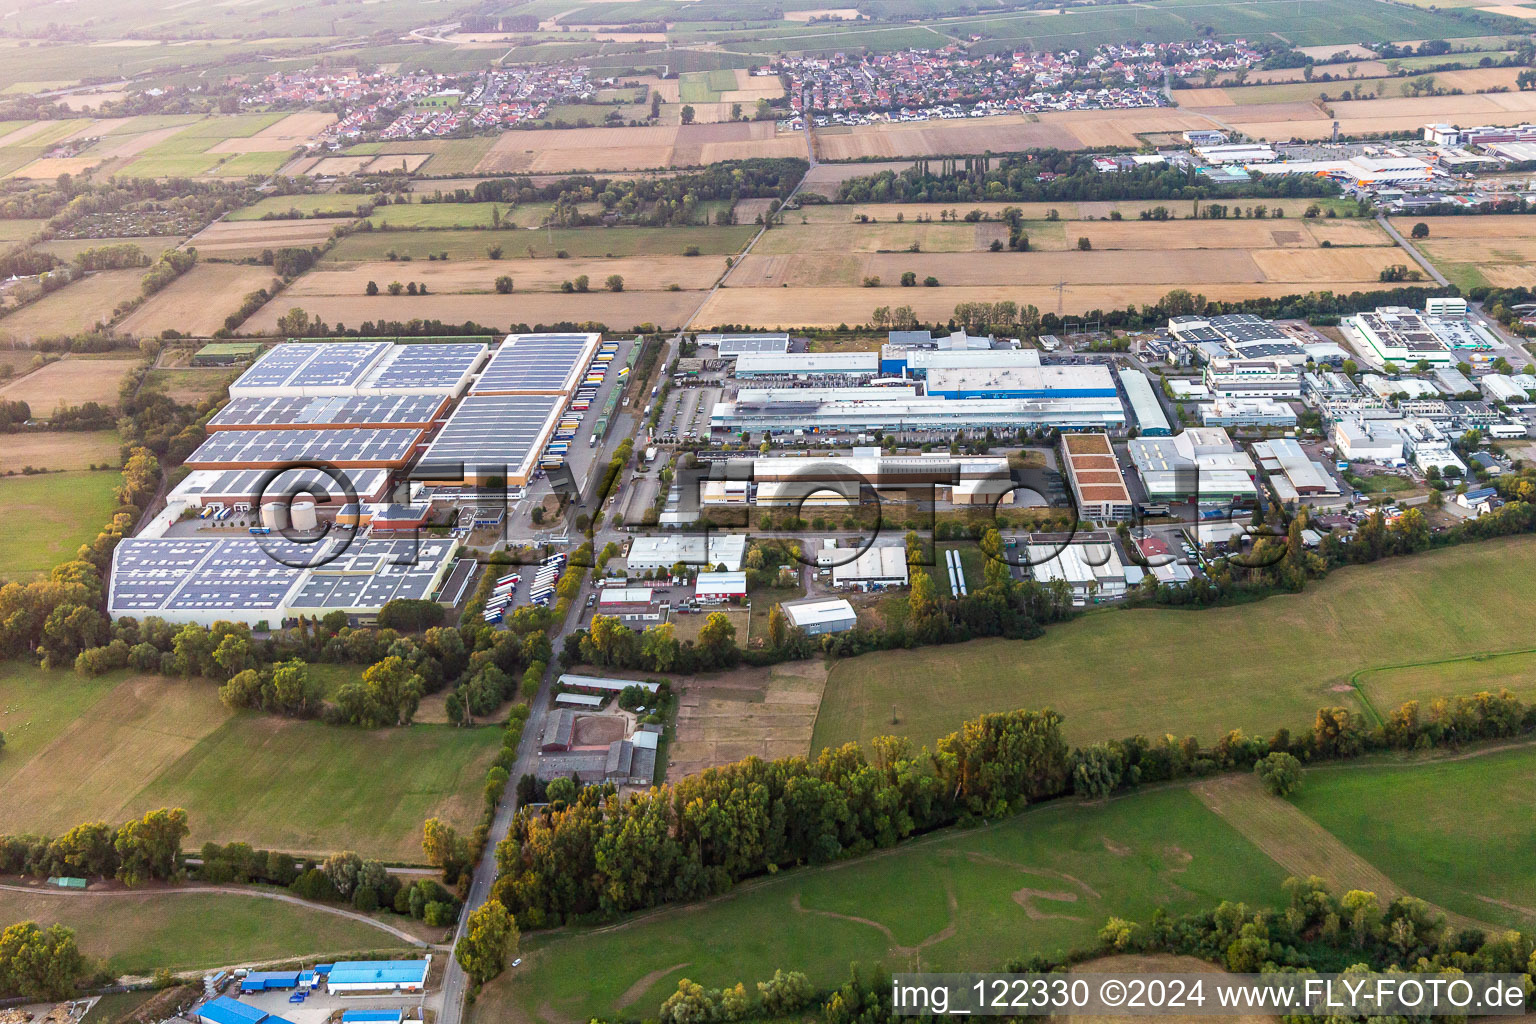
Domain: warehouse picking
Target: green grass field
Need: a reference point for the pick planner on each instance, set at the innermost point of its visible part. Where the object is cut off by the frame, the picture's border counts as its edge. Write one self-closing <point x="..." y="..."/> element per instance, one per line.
<point x="1041" y="882"/>
<point x="1456" y="832"/>
<point x="1258" y="666"/>
<point x="309" y="205"/>
<point x="457" y="215"/>
<point x="136" y="934"/>
<point x="113" y="748"/>
<point x="366" y="246"/>
<point x="51" y="516"/>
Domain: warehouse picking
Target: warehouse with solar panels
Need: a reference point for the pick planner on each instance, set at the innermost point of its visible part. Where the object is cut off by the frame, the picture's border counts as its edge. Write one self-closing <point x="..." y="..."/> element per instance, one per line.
<point x="271" y="580"/>
<point x="491" y="437"/>
<point x="351" y="368"/>
<point x="538" y="364"/>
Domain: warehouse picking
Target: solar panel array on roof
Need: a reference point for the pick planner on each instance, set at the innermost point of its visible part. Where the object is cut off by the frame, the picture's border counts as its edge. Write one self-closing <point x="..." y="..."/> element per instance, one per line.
<point x="536" y="363"/>
<point x="494" y="431"/>
<point x="193" y="579"/>
<point x="311" y="364"/>
<point x="415" y="367"/>
<point x="249" y="484"/>
<point x="360" y="410"/>
<point x="278" y="447"/>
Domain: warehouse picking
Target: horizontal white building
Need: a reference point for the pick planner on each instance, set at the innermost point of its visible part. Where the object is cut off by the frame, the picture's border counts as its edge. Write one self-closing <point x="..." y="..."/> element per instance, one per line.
<point x="832" y="615"/>
<point x="874" y="567"/>
<point x="691" y="549"/>
<point x="1093" y="571"/>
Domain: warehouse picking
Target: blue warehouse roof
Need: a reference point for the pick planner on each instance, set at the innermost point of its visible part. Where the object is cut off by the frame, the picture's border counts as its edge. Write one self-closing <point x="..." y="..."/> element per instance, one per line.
<point x="225" y="1010"/>
<point x="386" y="972"/>
<point x="384" y="1016"/>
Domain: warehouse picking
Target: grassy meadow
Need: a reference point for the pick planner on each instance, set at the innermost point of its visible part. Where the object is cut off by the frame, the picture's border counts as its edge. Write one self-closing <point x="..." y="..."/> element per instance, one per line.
<point x="1258" y="666"/>
<point x="1044" y="882"/>
<point x="51" y="515"/>
<point x="115" y="747"/>
<point x="187" y="931"/>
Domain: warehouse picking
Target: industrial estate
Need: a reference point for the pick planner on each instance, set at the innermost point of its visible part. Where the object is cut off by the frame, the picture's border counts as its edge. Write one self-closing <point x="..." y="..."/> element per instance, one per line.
<point x="623" y="511"/>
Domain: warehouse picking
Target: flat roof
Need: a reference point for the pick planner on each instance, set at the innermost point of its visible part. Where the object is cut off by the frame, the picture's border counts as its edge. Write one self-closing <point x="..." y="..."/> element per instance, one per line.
<point x="249" y="484"/>
<point x="240" y="574"/>
<point x="355" y="446"/>
<point x="807" y="362"/>
<point x="423" y="367"/>
<point x="603" y="682"/>
<point x="500" y="432"/>
<point x="731" y="345"/>
<point x="331" y="364"/>
<point x="811" y="613"/>
<point x="537" y="364"/>
<point x="328" y="411"/>
<point x="383" y="972"/>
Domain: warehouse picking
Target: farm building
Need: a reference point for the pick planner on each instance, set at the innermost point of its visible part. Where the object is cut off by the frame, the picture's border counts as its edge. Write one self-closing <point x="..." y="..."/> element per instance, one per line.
<point x="601" y="684"/>
<point x="720" y="586"/>
<point x="226" y="353"/>
<point x="694" y="549"/>
<point x="591" y="701"/>
<point x="817" y="617"/>
<point x="871" y="569"/>
<point x="1150" y="420"/>
<point x="1094" y="476"/>
<point x="357" y="976"/>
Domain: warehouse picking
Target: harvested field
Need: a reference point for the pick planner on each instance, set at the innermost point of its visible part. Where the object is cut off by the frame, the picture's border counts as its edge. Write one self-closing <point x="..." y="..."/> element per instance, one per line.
<point x="232" y="239"/>
<point x="62" y="450"/>
<point x="1387" y="114"/>
<point x="1006" y="133"/>
<point x="1501" y="252"/>
<point x="365" y="246"/>
<point x="618" y="149"/>
<point x="71" y="380"/>
<point x="293" y="130"/>
<point x="197" y="302"/>
<point x="619" y="311"/>
<point x="338" y="165"/>
<point x="885" y="236"/>
<point x="649" y="273"/>
<point x="788" y="308"/>
<point x="77" y="307"/>
<point x="765" y="713"/>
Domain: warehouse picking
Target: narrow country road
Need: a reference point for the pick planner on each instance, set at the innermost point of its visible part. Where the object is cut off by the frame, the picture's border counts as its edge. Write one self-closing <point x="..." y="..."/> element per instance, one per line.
<point x="1411" y="250"/>
<point x="193" y="890"/>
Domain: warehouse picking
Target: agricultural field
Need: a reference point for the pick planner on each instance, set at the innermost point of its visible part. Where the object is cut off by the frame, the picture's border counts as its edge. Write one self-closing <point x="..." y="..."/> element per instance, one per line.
<point x="225" y="146"/>
<point x="1489" y="250"/>
<point x="622" y="149"/>
<point x="197" y="302"/>
<point x="192" y="384"/>
<point x="135" y="933"/>
<point x="1469" y="854"/>
<point x="363" y="246"/>
<point x="816" y="266"/>
<point x="68" y="248"/>
<point x="74" y="309"/>
<point x="765" y="713"/>
<point x="71" y="381"/>
<point x="1152" y="671"/>
<point x="324" y="205"/>
<point x="1041" y="882"/>
<point x="618" y="311"/>
<point x="60" y="450"/>
<point x="115" y="747"/>
<point x="60" y="512"/>
<point x="233" y="240"/>
<point x="1391" y="112"/>
<point x="458" y="215"/>
<point x="640" y="273"/>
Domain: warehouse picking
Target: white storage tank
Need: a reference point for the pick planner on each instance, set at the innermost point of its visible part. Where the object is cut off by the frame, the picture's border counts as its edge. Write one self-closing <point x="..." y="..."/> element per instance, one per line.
<point x="302" y="514"/>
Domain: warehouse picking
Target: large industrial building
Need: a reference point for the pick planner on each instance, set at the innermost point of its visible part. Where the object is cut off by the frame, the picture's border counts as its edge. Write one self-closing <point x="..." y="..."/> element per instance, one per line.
<point x="271" y="580"/>
<point x="731" y="346"/>
<point x="1407" y="336"/>
<point x="780" y="410"/>
<point x="1199" y="464"/>
<point x="1091" y="569"/>
<point x="841" y="479"/>
<point x="346" y="369"/>
<point x="822" y="615"/>
<point x="1150" y="420"/>
<point x="691" y="549"/>
<point x="1094" y="476"/>
<point x="803" y="364"/>
<point x="1253" y="378"/>
<point x="537" y="364"/>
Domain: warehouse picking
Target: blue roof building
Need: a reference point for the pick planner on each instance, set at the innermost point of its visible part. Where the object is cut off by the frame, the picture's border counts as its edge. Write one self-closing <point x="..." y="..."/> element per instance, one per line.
<point x="378" y="975"/>
<point x="224" y="1010"/>
<point x="372" y="1016"/>
<point x="266" y="981"/>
